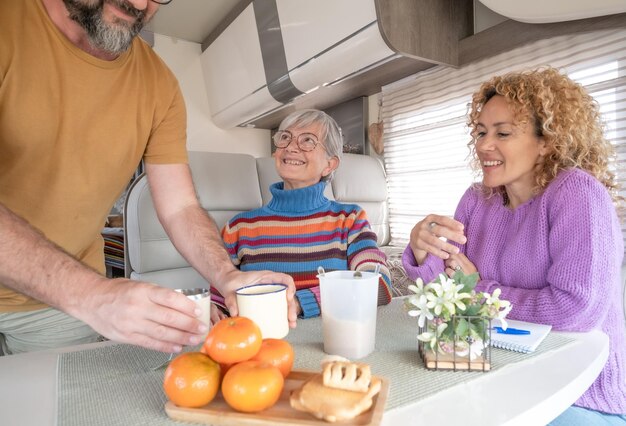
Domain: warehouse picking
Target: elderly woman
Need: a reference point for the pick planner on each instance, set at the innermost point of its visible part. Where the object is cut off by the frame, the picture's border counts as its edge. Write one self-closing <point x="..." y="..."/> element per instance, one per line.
<point x="300" y="229"/>
<point x="542" y="226"/>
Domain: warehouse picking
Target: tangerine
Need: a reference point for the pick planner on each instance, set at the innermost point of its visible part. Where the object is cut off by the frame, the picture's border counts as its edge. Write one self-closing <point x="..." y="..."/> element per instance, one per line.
<point x="278" y="353"/>
<point x="252" y="386"/>
<point x="224" y="368"/>
<point x="233" y="340"/>
<point x="192" y="379"/>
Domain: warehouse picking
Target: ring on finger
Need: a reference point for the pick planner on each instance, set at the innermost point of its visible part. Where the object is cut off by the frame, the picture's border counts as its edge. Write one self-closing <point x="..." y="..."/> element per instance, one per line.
<point x="431" y="225"/>
<point x="457" y="268"/>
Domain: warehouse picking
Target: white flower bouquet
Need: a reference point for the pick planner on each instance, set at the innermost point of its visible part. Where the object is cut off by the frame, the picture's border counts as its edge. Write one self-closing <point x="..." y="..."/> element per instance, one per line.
<point x="453" y="318"/>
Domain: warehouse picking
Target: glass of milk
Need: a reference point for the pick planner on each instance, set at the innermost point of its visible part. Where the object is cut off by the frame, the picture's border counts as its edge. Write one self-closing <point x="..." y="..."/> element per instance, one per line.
<point x="349" y="302"/>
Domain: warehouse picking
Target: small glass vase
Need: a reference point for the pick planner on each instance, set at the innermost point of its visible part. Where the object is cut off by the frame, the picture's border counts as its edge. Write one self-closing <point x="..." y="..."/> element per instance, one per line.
<point x="462" y="345"/>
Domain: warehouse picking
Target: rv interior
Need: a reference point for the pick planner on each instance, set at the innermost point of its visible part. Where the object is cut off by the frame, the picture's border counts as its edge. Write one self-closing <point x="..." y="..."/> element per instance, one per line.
<point x="397" y="76"/>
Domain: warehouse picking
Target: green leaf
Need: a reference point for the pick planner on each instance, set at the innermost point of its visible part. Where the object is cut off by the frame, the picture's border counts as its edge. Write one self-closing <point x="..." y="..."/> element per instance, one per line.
<point x="468" y="281"/>
<point x="462" y="327"/>
<point x="447" y="334"/>
<point x="472" y="310"/>
<point x="478" y="326"/>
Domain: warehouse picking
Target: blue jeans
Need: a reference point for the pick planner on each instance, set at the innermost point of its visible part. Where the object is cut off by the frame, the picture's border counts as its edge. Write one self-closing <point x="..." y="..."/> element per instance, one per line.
<point x="578" y="416"/>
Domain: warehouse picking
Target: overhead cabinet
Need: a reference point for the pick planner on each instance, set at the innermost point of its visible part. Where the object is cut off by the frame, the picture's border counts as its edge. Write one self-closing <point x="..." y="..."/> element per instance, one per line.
<point x="279" y="55"/>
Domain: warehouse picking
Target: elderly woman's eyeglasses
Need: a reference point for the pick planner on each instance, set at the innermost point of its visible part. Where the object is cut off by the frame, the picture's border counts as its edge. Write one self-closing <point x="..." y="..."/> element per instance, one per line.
<point x="305" y="141"/>
<point x="162" y="1"/>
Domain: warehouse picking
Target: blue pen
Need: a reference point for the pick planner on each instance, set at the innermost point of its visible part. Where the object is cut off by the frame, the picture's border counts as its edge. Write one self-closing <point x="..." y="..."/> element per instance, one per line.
<point x="510" y="330"/>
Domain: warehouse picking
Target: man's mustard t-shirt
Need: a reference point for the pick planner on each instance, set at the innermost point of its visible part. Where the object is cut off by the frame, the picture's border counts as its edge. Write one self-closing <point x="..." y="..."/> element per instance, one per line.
<point x="73" y="130"/>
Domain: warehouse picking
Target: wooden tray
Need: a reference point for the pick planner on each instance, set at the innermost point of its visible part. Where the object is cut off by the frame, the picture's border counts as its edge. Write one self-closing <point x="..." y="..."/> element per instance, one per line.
<point x="219" y="413"/>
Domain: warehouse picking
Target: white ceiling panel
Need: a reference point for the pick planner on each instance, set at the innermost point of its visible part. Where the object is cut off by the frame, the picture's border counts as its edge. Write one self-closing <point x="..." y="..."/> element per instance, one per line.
<point x="191" y="20"/>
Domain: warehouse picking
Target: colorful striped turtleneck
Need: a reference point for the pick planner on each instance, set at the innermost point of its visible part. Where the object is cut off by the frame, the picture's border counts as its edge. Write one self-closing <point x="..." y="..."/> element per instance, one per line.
<point x="300" y="230"/>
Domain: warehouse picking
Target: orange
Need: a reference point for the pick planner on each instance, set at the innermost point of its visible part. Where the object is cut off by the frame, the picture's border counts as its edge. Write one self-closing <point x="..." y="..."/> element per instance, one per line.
<point x="277" y="352"/>
<point x="224" y="369"/>
<point x="233" y="340"/>
<point x="191" y="380"/>
<point x="252" y="386"/>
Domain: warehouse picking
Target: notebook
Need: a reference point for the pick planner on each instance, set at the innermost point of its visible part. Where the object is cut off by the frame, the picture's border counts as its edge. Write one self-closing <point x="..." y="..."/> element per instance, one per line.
<point x="525" y="343"/>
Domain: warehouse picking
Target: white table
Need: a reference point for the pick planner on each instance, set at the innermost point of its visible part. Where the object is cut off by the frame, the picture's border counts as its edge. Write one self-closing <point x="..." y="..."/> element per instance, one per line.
<point x="531" y="392"/>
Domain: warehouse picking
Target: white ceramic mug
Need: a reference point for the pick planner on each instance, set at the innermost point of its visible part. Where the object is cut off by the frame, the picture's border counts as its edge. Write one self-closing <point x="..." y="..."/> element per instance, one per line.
<point x="202" y="297"/>
<point x="266" y="305"/>
<point x="349" y="312"/>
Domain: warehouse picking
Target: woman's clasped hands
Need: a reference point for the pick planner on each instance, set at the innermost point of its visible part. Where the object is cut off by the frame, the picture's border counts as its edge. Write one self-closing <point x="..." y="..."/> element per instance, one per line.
<point x="435" y="234"/>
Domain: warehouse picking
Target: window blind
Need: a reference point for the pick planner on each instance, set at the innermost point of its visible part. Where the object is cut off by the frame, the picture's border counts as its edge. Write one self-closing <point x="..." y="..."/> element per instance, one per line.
<point x="425" y="136"/>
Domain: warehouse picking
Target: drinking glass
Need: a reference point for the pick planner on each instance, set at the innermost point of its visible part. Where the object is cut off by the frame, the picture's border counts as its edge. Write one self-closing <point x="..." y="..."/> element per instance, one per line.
<point x="202" y="297"/>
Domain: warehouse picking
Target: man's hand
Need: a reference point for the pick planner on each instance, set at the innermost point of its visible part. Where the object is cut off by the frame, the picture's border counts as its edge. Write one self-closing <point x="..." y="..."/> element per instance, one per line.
<point x="196" y="237"/>
<point x="237" y="279"/>
<point x="141" y="314"/>
<point x="216" y="314"/>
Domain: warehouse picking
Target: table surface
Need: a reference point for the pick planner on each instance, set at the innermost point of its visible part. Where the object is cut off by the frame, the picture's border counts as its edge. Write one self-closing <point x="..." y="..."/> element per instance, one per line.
<point x="531" y="392"/>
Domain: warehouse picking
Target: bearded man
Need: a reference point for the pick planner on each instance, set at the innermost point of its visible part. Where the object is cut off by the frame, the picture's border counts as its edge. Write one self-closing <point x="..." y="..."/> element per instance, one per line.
<point x="82" y="102"/>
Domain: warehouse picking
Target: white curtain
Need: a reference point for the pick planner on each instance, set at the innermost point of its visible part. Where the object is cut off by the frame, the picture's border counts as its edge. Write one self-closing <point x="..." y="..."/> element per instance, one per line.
<point x="426" y="153"/>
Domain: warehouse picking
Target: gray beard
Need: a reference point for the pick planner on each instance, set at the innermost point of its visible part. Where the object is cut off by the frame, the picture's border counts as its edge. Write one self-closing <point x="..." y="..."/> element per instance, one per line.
<point x="114" y="38"/>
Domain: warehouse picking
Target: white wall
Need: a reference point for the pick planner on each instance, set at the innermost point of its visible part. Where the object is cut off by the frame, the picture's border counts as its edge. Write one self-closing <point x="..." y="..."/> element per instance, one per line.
<point x="183" y="58"/>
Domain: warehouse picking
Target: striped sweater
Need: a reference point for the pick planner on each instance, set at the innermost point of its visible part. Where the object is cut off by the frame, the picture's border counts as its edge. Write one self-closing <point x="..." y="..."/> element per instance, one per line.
<point x="300" y="230"/>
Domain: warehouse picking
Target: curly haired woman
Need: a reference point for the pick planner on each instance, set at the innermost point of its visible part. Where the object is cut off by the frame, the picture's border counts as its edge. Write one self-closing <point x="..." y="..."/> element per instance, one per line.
<point x="543" y="224"/>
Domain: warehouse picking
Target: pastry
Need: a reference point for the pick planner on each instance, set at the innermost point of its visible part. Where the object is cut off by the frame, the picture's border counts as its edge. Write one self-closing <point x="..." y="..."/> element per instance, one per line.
<point x="333" y="403"/>
<point x="347" y="375"/>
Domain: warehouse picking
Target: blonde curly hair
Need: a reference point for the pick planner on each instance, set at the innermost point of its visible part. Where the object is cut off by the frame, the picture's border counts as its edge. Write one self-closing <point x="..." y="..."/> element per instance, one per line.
<point x="563" y="113"/>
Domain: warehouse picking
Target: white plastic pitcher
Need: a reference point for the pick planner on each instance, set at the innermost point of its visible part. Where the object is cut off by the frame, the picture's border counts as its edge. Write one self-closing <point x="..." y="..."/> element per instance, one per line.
<point x="349" y="312"/>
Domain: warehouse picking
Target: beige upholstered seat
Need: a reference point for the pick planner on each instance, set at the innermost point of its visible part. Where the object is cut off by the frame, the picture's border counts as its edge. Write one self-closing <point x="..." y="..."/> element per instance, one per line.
<point x="227" y="184"/>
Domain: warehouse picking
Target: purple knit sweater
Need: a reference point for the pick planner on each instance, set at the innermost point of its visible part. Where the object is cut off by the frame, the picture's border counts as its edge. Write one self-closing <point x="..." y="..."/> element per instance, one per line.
<point x="557" y="258"/>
